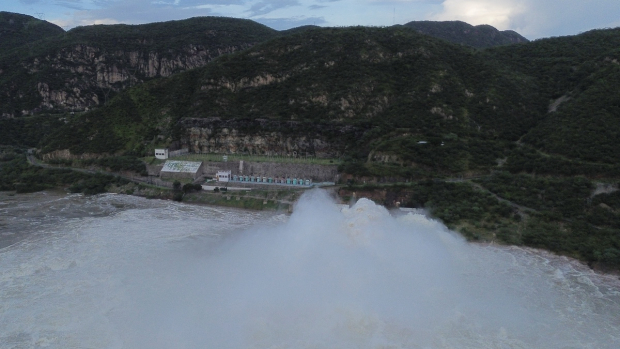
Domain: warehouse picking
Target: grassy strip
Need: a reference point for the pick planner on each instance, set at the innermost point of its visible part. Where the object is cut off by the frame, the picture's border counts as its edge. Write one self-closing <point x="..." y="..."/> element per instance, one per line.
<point x="18" y="175"/>
<point x="250" y="158"/>
<point x="237" y="201"/>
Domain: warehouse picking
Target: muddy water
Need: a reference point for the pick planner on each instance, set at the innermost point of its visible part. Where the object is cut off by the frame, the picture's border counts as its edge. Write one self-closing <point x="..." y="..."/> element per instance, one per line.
<point x="114" y="271"/>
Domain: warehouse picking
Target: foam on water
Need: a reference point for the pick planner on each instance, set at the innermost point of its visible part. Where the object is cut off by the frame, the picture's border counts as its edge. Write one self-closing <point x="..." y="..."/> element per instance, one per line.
<point x="133" y="273"/>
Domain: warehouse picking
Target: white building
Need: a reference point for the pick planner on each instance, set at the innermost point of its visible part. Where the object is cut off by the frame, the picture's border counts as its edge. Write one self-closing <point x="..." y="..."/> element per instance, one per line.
<point x="161" y="154"/>
<point x="224" y="176"/>
<point x="181" y="169"/>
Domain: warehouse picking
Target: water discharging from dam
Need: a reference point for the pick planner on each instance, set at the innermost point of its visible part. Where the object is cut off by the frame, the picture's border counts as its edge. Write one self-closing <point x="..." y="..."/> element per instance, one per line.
<point x="114" y="271"/>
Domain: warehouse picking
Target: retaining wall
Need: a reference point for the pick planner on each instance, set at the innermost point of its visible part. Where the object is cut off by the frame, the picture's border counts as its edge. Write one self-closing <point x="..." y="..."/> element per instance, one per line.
<point x="318" y="173"/>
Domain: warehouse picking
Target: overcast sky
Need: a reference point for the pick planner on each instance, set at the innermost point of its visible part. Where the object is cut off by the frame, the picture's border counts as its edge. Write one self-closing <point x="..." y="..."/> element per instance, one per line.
<point x="532" y="18"/>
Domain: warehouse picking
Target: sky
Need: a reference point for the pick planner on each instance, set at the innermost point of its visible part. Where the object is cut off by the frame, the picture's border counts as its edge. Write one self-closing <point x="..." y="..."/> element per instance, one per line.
<point x="533" y="19"/>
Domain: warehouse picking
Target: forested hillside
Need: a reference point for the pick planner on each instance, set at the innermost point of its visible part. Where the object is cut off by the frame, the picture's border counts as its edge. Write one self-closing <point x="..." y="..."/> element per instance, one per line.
<point x="578" y="75"/>
<point x="398" y="86"/>
<point x="22" y="30"/>
<point x="43" y="69"/>
<point x="86" y="66"/>
<point x="514" y="143"/>
<point x="480" y="36"/>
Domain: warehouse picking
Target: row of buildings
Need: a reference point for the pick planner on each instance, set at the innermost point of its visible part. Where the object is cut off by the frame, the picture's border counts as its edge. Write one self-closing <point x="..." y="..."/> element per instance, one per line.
<point x="242" y="171"/>
<point x="227" y="176"/>
<point x="194" y="170"/>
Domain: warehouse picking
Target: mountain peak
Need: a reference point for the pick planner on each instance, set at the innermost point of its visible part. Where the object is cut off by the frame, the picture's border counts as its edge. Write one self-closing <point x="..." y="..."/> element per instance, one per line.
<point x="458" y="32"/>
<point x="17" y="30"/>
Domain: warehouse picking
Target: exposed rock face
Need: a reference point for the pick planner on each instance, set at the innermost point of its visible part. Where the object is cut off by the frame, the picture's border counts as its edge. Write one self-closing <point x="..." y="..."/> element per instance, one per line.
<point x="65" y="154"/>
<point x="82" y="76"/>
<point x="266" y="137"/>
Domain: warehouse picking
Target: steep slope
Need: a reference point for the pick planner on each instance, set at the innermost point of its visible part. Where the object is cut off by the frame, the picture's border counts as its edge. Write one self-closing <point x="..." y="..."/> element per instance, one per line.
<point x="17" y="30"/>
<point x="86" y="66"/>
<point x="579" y="76"/>
<point x="379" y="91"/>
<point x="480" y="36"/>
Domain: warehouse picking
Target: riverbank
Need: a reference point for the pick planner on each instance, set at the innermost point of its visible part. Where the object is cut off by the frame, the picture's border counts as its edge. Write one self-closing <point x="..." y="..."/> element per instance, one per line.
<point x="256" y="199"/>
<point x="567" y="216"/>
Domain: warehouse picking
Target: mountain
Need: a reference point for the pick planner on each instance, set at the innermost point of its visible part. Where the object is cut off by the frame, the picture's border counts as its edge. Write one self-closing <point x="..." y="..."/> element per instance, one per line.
<point x="578" y="75"/>
<point x="371" y="93"/>
<point x="513" y="143"/>
<point x="44" y="69"/>
<point x="86" y="66"/>
<point x="480" y="36"/>
<point x="18" y="30"/>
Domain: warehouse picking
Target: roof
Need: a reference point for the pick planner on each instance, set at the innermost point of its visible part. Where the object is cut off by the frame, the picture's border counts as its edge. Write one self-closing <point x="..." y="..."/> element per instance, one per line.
<point x="181" y="166"/>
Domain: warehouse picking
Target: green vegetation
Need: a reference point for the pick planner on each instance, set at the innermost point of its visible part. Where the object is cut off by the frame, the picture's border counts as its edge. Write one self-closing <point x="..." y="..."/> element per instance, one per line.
<point x="23" y="30"/>
<point x="584" y="69"/>
<point x="27" y="132"/>
<point x="454" y="202"/>
<point x="69" y="63"/>
<point x="258" y="158"/>
<point x="255" y="200"/>
<point x="560" y="197"/>
<point x="191" y="187"/>
<point x="559" y="214"/>
<point x="480" y="36"/>
<point x="118" y="164"/>
<point x="355" y="89"/>
<point x="528" y="160"/>
<point x="16" y="174"/>
<point x="530" y="127"/>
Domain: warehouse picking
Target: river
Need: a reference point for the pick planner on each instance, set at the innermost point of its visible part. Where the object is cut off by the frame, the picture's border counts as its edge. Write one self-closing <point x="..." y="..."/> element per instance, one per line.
<point x="116" y="271"/>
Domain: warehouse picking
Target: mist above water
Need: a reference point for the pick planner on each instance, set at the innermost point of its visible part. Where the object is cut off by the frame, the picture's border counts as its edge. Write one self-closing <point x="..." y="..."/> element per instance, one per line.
<point x="154" y="274"/>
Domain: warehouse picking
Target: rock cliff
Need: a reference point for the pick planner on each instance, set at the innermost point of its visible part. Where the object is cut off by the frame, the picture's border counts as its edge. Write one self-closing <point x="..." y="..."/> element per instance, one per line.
<point x="95" y="74"/>
<point x="86" y="66"/>
<point x="266" y="137"/>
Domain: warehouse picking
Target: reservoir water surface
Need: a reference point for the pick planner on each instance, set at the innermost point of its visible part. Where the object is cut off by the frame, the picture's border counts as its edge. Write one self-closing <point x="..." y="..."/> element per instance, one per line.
<point x="115" y="271"/>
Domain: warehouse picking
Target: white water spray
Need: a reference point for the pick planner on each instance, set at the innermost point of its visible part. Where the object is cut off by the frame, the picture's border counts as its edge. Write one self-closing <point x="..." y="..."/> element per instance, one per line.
<point x="154" y="277"/>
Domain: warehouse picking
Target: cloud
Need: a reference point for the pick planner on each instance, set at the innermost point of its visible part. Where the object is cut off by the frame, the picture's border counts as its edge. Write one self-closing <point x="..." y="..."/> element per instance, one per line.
<point x="72" y="6"/>
<point x="266" y="6"/>
<point x="188" y="3"/>
<point x="533" y="18"/>
<point x="291" y="22"/>
<point x="135" y="12"/>
<point x="498" y="13"/>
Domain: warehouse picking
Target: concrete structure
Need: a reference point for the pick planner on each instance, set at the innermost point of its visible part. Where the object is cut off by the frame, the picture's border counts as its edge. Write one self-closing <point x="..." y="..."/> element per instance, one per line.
<point x="275" y="170"/>
<point x="161" y="154"/>
<point x="223" y="176"/>
<point x="182" y="169"/>
<point x="179" y="152"/>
